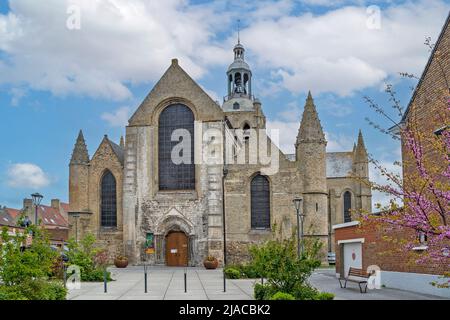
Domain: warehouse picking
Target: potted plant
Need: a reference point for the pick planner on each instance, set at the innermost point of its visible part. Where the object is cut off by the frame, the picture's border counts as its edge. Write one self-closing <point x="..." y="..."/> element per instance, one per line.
<point x="121" y="261"/>
<point x="211" y="262"/>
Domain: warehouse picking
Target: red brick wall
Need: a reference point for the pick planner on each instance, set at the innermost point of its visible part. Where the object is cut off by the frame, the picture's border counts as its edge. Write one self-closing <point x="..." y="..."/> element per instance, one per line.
<point x="387" y="254"/>
<point x="428" y="109"/>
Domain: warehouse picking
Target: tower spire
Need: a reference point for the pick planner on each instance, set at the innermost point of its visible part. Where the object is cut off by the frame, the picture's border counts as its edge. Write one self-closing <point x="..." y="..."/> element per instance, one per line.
<point x="360" y="150"/>
<point x="80" y="153"/>
<point x="310" y="128"/>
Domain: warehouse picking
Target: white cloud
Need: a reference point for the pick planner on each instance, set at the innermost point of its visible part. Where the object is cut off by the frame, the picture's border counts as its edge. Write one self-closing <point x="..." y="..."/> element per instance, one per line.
<point x="16" y="95"/>
<point x="287" y="134"/>
<point x="339" y="142"/>
<point x="27" y="175"/>
<point x="131" y="42"/>
<point x="120" y="42"/>
<point x="336" y="52"/>
<point x="117" y="118"/>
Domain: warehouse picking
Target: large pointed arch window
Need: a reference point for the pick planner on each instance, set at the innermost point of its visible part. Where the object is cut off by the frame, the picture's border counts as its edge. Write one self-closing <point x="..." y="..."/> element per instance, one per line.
<point x="176" y="175"/>
<point x="347" y="206"/>
<point x="108" y="200"/>
<point x="260" y="203"/>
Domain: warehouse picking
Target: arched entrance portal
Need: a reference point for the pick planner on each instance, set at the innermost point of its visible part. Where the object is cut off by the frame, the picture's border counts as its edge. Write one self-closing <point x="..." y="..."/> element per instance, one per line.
<point x="177" y="249"/>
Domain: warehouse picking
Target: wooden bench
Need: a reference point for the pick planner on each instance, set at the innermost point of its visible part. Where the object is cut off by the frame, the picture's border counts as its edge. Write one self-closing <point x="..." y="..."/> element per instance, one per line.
<point x="356" y="275"/>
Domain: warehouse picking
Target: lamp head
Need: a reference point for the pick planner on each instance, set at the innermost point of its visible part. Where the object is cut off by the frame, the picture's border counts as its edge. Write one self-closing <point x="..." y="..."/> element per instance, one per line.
<point x="297" y="203"/>
<point x="37" y="198"/>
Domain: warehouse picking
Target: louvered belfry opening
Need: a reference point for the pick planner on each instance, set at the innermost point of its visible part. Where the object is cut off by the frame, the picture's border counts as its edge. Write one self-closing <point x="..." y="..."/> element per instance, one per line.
<point x="173" y="176"/>
<point x="108" y="200"/>
<point x="347" y="206"/>
<point x="260" y="203"/>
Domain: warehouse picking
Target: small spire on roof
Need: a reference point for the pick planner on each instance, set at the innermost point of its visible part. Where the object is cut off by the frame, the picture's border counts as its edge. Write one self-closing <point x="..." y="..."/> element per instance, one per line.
<point x="310" y="128"/>
<point x="122" y="142"/>
<point x="80" y="153"/>
<point x="360" y="151"/>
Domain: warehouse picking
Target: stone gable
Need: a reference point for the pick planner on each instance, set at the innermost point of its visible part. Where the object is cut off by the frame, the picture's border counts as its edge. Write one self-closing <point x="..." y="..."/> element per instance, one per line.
<point x="176" y="83"/>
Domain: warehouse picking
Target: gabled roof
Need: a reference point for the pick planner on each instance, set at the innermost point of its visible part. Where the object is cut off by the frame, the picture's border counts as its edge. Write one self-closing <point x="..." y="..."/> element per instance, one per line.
<point x="176" y="83"/>
<point x="117" y="150"/>
<point x="419" y="84"/>
<point x="51" y="217"/>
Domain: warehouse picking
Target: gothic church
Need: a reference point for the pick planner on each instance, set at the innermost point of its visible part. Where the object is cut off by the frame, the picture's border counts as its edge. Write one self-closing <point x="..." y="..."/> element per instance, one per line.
<point x="139" y="203"/>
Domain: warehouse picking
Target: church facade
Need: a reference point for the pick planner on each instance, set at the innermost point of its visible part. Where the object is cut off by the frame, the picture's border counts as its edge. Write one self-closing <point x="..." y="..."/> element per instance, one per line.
<point x="187" y="162"/>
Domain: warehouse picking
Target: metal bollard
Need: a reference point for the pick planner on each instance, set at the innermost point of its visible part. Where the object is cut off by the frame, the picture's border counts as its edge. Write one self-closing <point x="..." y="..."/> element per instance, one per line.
<point x="185" y="281"/>
<point x="262" y="280"/>
<point x="224" y="281"/>
<point x="145" y="277"/>
<point x="105" y="281"/>
<point x="64" y="275"/>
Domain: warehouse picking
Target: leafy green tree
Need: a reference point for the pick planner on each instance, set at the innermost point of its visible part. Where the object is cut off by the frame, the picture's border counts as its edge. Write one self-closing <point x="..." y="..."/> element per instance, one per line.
<point x="25" y="270"/>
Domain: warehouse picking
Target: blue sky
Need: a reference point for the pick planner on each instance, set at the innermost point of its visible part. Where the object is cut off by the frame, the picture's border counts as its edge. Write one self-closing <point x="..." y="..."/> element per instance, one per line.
<point x="55" y="80"/>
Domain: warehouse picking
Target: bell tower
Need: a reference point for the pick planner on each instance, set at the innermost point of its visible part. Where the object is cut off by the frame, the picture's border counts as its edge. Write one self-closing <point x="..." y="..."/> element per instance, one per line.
<point x="239" y="75"/>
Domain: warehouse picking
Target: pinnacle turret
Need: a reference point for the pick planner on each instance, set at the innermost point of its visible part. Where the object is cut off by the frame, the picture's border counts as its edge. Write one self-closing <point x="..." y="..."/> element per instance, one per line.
<point x="80" y="153"/>
<point x="122" y="142"/>
<point x="310" y="128"/>
<point x="360" y="150"/>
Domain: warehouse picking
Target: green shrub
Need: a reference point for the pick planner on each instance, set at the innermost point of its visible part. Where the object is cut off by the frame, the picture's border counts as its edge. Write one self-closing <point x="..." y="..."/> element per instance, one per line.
<point x="232" y="273"/>
<point x="282" y="296"/>
<point x="11" y="293"/>
<point x="250" y="271"/>
<point x="305" y="292"/>
<point x="277" y="261"/>
<point x="34" y="290"/>
<point x="264" y="291"/>
<point x="324" y="296"/>
<point x="85" y="256"/>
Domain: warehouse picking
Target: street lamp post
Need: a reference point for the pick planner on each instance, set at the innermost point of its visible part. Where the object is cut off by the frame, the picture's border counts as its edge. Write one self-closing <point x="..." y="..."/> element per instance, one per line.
<point x="37" y="198"/>
<point x="300" y="217"/>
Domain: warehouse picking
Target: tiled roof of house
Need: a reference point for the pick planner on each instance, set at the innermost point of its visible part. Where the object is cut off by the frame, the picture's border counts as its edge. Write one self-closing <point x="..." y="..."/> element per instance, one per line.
<point x="51" y="217"/>
<point x="6" y="219"/>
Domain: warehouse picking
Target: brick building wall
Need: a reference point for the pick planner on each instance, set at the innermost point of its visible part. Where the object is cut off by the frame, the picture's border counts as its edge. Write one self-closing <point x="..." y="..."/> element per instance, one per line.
<point x="382" y="247"/>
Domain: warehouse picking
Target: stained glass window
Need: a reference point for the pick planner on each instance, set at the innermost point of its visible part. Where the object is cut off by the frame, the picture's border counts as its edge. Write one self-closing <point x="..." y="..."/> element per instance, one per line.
<point x="260" y="203"/>
<point x="347" y="206"/>
<point x="175" y="176"/>
<point x="108" y="200"/>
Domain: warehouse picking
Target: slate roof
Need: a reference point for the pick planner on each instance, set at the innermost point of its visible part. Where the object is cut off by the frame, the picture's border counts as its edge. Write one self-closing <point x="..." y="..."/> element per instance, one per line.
<point x="118" y="150"/>
<point x="339" y="164"/>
